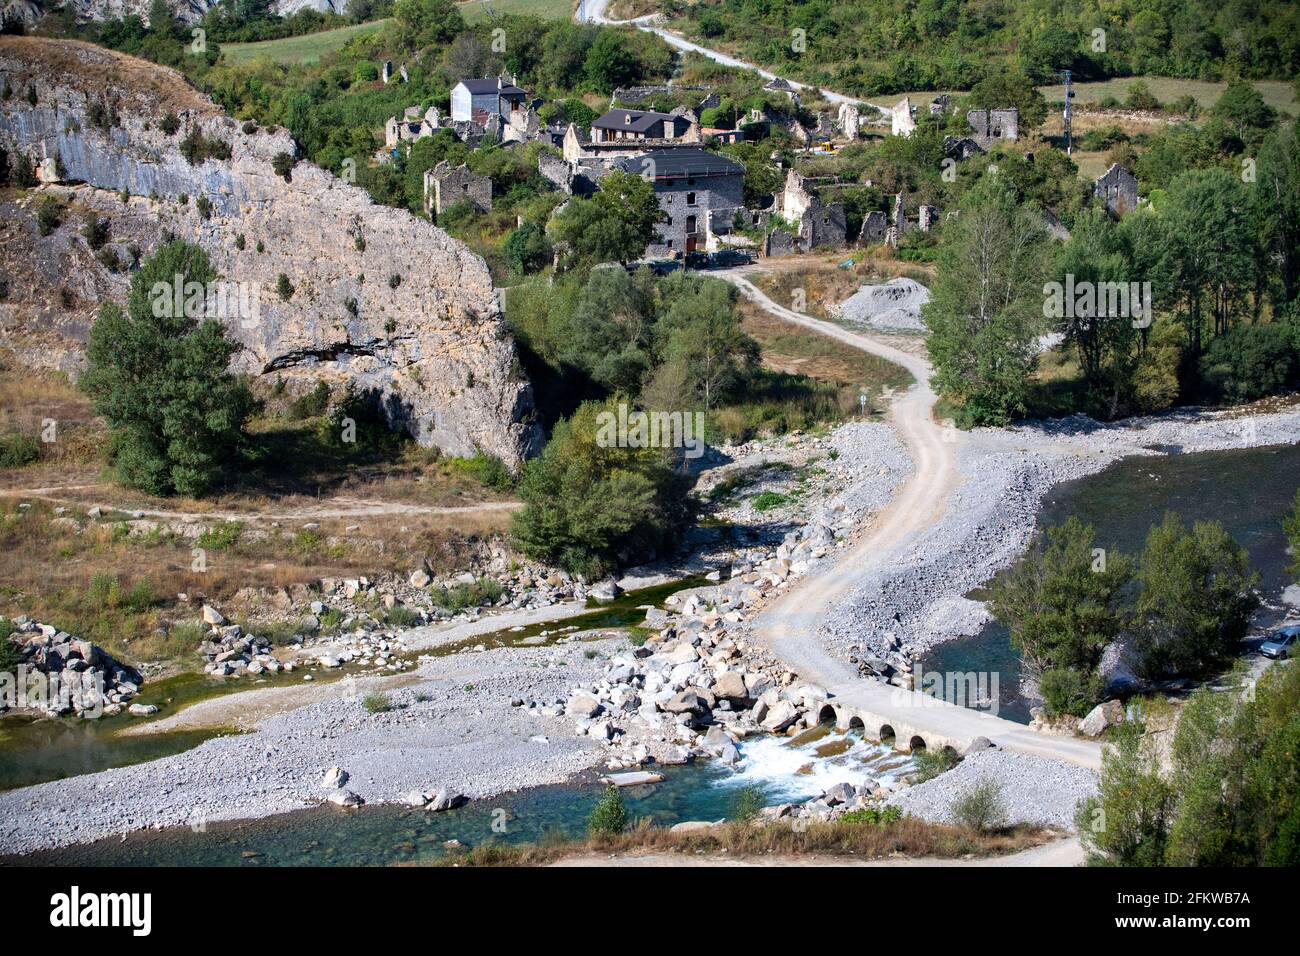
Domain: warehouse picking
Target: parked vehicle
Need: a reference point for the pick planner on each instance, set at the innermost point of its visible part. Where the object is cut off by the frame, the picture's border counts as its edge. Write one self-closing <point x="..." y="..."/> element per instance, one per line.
<point x="1281" y="642"/>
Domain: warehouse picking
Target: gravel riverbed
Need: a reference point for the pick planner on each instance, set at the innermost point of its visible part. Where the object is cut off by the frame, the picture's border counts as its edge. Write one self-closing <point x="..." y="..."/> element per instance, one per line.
<point x="917" y="600"/>
<point x="466" y="736"/>
<point x="1032" y="789"/>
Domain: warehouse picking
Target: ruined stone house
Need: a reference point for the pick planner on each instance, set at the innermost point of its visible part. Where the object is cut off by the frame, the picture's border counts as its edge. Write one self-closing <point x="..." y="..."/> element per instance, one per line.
<point x="902" y="123"/>
<point x="819" y="223"/>
<point x="1117" y="188"/>
<point x="444" y="187"/>
<point x="411" y="126"/>
<point x="691" y="185"/>
<point x="990" y="126"/>
<point x="875" y="228"/>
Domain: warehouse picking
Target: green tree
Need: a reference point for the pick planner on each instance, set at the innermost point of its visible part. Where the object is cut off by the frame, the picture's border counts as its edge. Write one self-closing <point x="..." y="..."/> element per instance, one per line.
<point x="609" y="816"/>
<point x="424" y="23"/>
<point x="986" y="308"/>
<point x="1106" y="341"/>
<point x="160" y="380"/>
<point x="1196" y="598"/>
<point x="526" y="249"/>
<point x="700" y="332"/>
<point x="1212" y="266"/>
<point x="1243" y="110"/>
<point x="611" y="62"/>
<point x="614" y="225"/>
<point x="1276" y="206"/>
<point x="590" y="505"/>
<point x="1064" y="601"/>
<point x="608" y="332"/>
<point x="1248" y="362"/>
<point x="1010" y="88"/>
<point x="1291" y="525"/>
<point x="1127" y="822"/>
<point x="1230" y="795"/>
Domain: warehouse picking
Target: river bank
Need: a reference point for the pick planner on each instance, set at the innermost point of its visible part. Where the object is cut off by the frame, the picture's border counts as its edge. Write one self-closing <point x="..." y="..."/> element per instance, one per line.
<point x="918" y="601"/>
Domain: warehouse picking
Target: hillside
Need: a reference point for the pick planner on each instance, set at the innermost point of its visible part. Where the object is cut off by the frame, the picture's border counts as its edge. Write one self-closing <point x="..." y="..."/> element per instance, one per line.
<point x="346" y="290"/>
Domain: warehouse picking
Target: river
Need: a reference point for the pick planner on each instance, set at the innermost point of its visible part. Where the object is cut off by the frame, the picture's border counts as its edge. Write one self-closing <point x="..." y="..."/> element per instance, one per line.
<point x="1247" y="490"/>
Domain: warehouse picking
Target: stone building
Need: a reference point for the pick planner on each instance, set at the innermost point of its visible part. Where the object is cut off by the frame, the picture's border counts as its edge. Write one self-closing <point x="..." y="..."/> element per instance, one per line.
<point x="989" y="126"/>
<point x="961" y="148"/>
<point x="642" y="127"/>
<point x="411" y="126"/>
<point x="477" y="100"/>
<point x="692" y="185"/>
<point x="820" y="223"/>
<point x="902" y="123"/>
<point x="623" y="134"/>
<point x="444" y="187"/>
<point x="1118" y="189"/>
<point x="875" y="228"/>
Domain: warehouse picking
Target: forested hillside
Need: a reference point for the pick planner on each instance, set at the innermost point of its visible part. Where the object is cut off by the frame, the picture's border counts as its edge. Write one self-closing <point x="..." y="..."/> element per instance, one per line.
<point x="875" y="47"/>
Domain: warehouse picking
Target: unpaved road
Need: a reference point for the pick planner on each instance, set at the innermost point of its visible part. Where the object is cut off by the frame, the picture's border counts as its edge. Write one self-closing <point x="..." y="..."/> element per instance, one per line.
<point x="334" y="507"/>
<point x="1065" y="852"/>
<point x="593" y="11"/>
<point x="788" y="626"/>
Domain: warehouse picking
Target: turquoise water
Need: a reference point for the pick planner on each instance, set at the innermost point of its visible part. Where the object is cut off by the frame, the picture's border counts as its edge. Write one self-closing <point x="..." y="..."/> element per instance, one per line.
<point x="780" y="770"/>
<point x="1248" y="491"/>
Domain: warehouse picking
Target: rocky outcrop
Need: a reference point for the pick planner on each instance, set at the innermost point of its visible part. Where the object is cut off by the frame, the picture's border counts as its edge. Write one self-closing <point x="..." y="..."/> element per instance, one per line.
<point x="375" y="296"/>
<point x="186" y="11"/>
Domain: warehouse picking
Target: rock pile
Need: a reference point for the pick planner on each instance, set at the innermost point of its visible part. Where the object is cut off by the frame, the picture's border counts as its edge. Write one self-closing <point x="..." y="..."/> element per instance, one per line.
<point x="99" y="684"/>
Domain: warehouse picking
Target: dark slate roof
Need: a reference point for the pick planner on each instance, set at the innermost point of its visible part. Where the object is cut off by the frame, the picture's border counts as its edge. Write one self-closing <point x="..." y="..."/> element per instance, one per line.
<point x="681" y="161"/>
<point x="641" y="120"/>
<point x="489" y="85"/>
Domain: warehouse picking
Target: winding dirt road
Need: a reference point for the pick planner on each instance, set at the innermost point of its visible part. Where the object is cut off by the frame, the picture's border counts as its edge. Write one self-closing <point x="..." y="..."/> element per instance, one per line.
<point x="789" y="625"/>
<point x="593" y="11"/>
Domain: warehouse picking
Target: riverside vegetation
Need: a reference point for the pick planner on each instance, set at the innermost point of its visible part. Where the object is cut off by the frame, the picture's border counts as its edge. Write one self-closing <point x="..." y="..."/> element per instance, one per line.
<point x="1227" y="795"/>
<point x="1182" y="607"/>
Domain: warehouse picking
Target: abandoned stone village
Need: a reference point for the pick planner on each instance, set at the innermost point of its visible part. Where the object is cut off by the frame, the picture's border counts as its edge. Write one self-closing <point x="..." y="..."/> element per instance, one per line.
<point x="701" y="192"/>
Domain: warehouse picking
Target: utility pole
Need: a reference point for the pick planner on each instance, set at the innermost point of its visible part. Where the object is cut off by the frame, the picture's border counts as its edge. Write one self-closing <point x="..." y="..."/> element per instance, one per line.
<point x="1069" y="95"/>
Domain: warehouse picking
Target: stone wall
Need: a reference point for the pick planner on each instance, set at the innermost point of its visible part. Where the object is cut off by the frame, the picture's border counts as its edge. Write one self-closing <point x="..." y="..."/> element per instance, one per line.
<point x="381" y="298"/>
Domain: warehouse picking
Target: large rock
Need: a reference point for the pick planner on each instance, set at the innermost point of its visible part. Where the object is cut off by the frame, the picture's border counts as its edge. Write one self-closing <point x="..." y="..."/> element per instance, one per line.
<point x="334" y="777"/>
<point x="687" y="702"/>
<point x="780" y="716"/>
<point x="582" y="705"/>
<point x="730" y="685"/>
<point x="445" y="799"/>
<point x="431" y="347"/>
<point x="1100" y="717"/>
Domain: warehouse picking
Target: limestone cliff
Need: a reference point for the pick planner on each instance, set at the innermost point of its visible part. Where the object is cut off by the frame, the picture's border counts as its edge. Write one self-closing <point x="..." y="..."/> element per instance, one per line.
<point x="379" y="296"/>
<point x="186" y="11"/>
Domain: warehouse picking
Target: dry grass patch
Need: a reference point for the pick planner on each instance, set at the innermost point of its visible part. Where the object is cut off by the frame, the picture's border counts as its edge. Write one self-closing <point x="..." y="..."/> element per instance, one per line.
<point x="826" y="280"/>
<point x="793" y="349"/>
<point x="116" y="582"/>
<point x="908" y="837"/>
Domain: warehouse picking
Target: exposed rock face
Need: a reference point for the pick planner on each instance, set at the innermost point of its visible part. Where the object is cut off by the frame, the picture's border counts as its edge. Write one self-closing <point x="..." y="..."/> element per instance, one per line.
<point x="379" y="297"/>
<point x="187" y="11"/>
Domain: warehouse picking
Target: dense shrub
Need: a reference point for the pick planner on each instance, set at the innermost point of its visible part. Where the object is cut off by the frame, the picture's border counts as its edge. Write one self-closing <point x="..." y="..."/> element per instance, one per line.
<point x="609" y="815"/>
<point x="1249" y="362"/>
